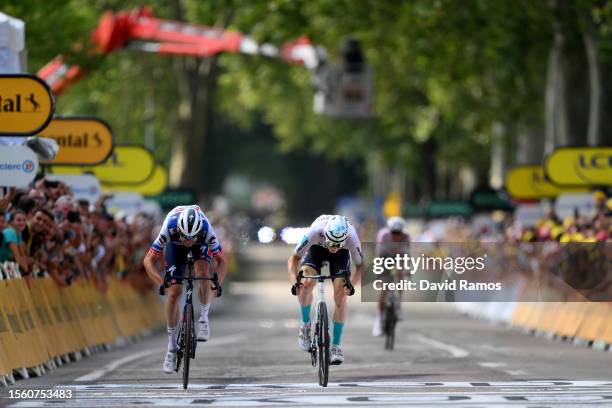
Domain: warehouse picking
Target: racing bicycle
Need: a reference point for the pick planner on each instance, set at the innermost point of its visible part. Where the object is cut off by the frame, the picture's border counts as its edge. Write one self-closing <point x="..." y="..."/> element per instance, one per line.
<point x="320" y="341"/>
<point x="186" y="341"/>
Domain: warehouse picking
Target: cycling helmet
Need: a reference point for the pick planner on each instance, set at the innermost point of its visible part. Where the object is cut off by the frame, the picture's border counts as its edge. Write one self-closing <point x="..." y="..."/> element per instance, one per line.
<point x="190" y="222"/>
<point x="396" y="224"/>
<point x="336" y="230"/>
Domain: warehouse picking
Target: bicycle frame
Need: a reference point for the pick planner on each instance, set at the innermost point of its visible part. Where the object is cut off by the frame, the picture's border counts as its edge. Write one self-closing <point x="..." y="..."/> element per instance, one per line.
<point x="320" y="341"/>
<point x="186" y="347"/>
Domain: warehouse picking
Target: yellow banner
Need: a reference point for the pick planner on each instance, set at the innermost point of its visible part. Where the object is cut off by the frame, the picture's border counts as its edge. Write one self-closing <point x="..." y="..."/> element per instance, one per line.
<point x="82" y="140"/>
<point x="580" y="166"/>
<point x="529" y="183"/>
<point x="126" y="165"/>
<point x="26" y="104"/>
<point x="156" y="184"/>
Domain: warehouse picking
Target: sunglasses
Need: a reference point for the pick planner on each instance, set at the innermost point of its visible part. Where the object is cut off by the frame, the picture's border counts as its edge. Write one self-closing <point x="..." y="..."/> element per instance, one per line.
<point x="185" y="238"/>
<point x="331" y="244"/>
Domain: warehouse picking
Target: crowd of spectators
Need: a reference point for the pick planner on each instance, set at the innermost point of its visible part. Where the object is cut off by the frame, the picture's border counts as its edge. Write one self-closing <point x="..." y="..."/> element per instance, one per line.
<point x="47" y="232"/>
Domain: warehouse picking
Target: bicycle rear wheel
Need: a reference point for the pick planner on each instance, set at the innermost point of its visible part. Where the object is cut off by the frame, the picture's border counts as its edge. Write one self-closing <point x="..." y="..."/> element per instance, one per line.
<point x="390" y="321"/>
<point x="188" y="330"/>
<point x="323" y="344"/>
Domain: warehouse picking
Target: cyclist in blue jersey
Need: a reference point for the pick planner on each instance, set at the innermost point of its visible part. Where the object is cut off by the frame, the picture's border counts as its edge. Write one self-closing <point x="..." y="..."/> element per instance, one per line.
<point x="185" y="229"/>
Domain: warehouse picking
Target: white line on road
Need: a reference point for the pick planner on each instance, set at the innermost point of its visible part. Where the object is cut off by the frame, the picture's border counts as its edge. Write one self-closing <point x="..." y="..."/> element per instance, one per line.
<point x="454" y="351"/>
<point x="96" y="374"/>
<point x="491" y="364"/>
<point x="516" y="372"/>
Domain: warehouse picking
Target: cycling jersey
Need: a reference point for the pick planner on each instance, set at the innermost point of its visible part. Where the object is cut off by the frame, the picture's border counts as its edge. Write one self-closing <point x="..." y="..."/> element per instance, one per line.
<point x="387" y="246"/>
<point x="316" y="236"/>
<point x="170" y="233"/>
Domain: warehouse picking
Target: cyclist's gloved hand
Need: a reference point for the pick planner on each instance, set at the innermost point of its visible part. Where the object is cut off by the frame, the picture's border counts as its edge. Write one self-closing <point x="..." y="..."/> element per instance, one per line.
<point x="351" y="288"/>
<point x="219" y="290"/>
<point x="162" y="289"/>
<point x="295" y="287"/>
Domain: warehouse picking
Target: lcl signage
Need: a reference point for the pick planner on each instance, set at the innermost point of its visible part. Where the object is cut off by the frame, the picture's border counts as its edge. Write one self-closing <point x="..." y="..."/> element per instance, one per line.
<point x="580" y="166"/>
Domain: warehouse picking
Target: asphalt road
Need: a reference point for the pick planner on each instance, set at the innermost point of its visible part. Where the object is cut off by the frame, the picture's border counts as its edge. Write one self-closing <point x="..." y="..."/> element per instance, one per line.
<point x="441" y="358"/>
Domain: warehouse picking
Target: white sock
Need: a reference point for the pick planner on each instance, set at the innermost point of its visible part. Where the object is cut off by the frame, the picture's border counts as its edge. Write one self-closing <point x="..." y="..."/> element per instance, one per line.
<point x="171" y="338"/>
<point x="204" y="312"/>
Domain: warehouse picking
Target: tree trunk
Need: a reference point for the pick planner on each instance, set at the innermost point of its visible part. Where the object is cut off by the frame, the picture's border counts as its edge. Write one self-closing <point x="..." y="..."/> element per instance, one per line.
<point x="197" y="84"/>
<point x="429" y="150"/>
<point x="595" y="85"/>
<point x="556" y="120"/>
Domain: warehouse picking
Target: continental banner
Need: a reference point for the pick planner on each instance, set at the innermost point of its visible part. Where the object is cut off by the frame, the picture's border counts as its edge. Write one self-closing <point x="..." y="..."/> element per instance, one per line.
<point x="127" y="164"/>
<point x="26" y="104"/>
<point x="82" y="140"/>
<point x="529" y="183"/>
<point x="155" y="185"/>
<point x="580" y="166"/>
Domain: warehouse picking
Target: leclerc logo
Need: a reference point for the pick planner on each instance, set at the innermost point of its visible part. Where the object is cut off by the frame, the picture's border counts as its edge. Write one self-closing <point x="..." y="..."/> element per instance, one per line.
<point x="27" y="166"/>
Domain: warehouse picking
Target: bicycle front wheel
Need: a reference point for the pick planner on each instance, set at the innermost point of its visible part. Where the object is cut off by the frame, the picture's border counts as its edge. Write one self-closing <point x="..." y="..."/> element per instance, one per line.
<point x="188" y="330"/>
<point x="323" y="344"/>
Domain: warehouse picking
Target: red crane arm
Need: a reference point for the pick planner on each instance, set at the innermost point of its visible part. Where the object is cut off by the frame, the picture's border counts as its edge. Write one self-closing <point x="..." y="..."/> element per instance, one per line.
<point x="138" y="29"/>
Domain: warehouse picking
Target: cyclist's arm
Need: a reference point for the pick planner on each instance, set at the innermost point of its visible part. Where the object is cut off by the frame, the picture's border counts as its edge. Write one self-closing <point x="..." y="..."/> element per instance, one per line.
<point x="300" y="249"/>
<point x="354" y="246"/>
<point x="292" y="266"/>
<point x="221" y="266"/>
<point x="149" y="262"/>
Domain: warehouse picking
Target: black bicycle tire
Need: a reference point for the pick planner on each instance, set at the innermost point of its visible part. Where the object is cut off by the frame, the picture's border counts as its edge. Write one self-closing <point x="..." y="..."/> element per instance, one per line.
<point x="390" y="323"/>
<point x="187" y="322"/>
<point x="179" y="348"/>
<point x="323" y="344"/>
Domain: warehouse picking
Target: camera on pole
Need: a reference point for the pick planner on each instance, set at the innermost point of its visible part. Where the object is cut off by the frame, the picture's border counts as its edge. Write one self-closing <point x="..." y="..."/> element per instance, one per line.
<point x="345" y="91"/>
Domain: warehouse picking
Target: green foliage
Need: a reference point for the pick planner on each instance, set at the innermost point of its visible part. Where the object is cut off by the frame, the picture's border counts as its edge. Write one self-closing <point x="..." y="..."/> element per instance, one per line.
<point x="444" y="69"/>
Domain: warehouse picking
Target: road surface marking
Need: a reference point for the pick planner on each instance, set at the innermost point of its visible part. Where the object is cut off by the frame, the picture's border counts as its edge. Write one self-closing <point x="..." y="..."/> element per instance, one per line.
<point x="113" y="365"/>
<point x="491" y="364"/>
<point x="101" y="372"/>
<point x="454" y="351"/>
<point x="411" y="393"/>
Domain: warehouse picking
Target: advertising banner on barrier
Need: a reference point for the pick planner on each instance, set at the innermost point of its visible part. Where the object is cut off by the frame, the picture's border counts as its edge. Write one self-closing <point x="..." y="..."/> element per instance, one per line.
<point x="127" y="202"/>
<point x="529" y="183"/>
<point x="580" y="166"/>
<point x="26" y="104"/>
<point x="84" y="186"/>
<point x="82" y="140"/>
<point x="156" y="184"/>
<point x="529" y="214"/>
<point x="126" y="165"/>
<point x="18" y="166"/>
<point x="570" y="205"/>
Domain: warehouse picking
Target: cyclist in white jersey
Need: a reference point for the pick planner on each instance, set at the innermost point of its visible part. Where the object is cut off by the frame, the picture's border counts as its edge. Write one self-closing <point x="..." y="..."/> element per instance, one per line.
<point x="331" y="239"/>
<point x="185" y="229"/>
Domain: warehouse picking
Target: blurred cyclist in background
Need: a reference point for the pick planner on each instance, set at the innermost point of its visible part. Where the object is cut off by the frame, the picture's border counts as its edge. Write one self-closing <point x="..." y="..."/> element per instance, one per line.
<point x="185" y="229"/>
<point x="331" y="239"/>
<point x="390" y="241"/>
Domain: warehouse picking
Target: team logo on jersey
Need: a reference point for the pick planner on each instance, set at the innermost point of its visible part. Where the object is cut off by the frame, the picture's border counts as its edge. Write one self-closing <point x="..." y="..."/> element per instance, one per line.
<point x="359" y="252"/>
<point x="303" y="243"/>
<point x="163" y="239"/>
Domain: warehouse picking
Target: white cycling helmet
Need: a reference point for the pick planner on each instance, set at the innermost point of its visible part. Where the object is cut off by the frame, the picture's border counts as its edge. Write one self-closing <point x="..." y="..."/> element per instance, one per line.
<point x="396" y="224"/>
<point x="336" y="230"/>
<point x="190" y="222"/>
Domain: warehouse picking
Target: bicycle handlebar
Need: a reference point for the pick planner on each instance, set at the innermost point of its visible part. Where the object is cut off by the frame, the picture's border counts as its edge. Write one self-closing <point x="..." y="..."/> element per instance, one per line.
<point x="298" y="284"/>
<point x="215" y="283"/>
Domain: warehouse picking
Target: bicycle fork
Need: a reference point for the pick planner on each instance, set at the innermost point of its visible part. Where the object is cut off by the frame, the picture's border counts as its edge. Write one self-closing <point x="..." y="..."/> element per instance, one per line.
<point x="320" y="299"/>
